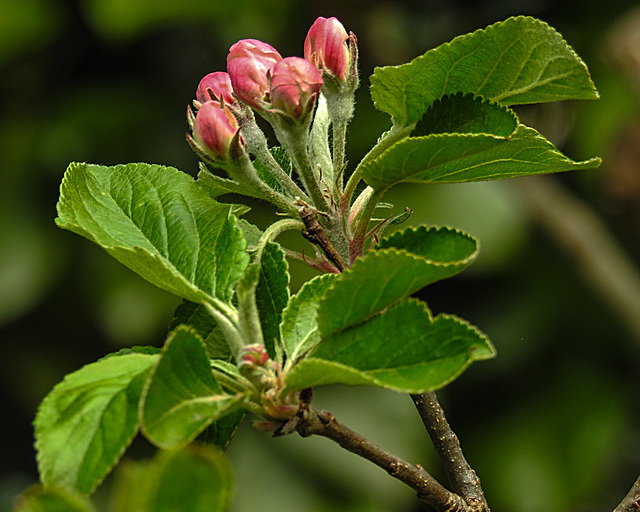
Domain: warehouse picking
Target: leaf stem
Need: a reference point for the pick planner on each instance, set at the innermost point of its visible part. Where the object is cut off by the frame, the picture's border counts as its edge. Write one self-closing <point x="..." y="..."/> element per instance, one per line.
<point x="462" y="477"/>
<point x="416" y="477"/>
<point x="275" y="230"/>
<point x="227" y="320"/>
<point x="387" y="140"/>
<point x="371" y="201"/>
<point x="339" y="130"/>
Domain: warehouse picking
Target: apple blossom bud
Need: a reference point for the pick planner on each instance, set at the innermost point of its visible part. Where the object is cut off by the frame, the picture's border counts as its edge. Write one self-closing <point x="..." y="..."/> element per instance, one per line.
<point x="295" y="86"/>
<point x="249" y="64"/>
<point x="214" y="129"/>
<point x="219" y="84"/>
<point x="326" y="47"/>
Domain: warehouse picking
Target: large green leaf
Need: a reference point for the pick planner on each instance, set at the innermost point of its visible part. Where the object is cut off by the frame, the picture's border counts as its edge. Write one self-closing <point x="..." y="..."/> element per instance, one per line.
<point x="159" y="223"/>
<point x="194" y="479"/>
<point x="402" y="266"/>
<point x="182" y="397"/>
<point x="84" y="424"/>
<point x="464" y="157"/>
<point x="403" y="349"/>
<point x="516" y="61"/>
<point x="299" y="325"/>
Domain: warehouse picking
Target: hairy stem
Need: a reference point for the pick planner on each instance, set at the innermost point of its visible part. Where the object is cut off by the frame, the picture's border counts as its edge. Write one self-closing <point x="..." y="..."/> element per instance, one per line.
<point x="462" y="477"/>
<point x="427" y="487"/>
<point x="339" y="143"/>
<point x="384" y="142"/>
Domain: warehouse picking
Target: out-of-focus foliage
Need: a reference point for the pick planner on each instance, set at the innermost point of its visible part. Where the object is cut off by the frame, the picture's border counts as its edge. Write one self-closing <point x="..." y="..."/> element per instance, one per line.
<point x="553" y="417"/>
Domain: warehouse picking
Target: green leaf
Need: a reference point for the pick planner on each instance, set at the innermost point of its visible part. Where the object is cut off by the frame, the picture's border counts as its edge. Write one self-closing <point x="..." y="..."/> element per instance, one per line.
<point x="159" y="223"/>
<point x="299" y="325"/>
<point x="403" y="349"/>
<point x="182" y="472"/>
<point x="52" y="499"/>
<point x="194" y="479"/>
<point x="466" y="113"/>
<point x="265" y="174"/>
<point x="458" y="158"/>
<point x="516" y="61"/>
<point x="387" y="275"/>
<point x="84" y="424"/>
<point x="272" y="294"/>
<point x="182" y="397"/>
<point x="221" y="432"/>
<point x="198" y="318"/>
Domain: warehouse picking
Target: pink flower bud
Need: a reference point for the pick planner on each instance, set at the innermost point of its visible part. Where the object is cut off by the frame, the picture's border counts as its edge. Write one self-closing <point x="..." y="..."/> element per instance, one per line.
<point x="295" y="85"/>
<point x="214" y="128"/>
<point x="219" y="84"/>
<point x="326" y="47"/>
<point x="249" y="63"/>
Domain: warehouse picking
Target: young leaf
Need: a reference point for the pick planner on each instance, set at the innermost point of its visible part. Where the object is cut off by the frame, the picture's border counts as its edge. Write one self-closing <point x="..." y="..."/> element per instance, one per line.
<point x="198" y="318"/>
<point x="159" y="223"/>
<point x="516" y="61"/>
<point x="272" y="293"/>
<point x="385" y="276"/>
<point x="181" y="472"/>
<point x="299" y="325"/>
<point x="52" y="499"/>
<point x="466" y="113"/>
<point x="464" y="157"/>
<point x="265" y="174"/>
<point x="182" y="397"/>
<point x="194" y="479"/>
<point x="403" y="349"/>
<point x="84" y="424"/>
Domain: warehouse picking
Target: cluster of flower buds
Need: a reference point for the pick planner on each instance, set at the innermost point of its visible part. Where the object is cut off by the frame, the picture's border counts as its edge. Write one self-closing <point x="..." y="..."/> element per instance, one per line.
<point x="273" y="86"/>
<point x="266" y="375"/>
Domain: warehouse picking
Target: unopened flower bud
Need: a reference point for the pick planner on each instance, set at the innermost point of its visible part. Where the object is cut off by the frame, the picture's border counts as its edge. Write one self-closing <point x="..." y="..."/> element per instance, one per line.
<point x="295" y="86"/>
<point x="214" y="129"/>
<point x="326" y="47"/>
<point x="254" y="356"/>
<point x="249" y="64"/>
<point x="217" y="84"/>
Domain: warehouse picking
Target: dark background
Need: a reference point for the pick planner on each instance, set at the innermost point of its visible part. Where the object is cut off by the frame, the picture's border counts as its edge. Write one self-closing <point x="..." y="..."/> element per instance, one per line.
<point x="551" y="424"/>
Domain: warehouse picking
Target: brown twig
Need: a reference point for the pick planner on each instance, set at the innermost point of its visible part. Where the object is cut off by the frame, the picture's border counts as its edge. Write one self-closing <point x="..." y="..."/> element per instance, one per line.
<point x="631" y="502"/>
<point x="462" y="477"/>
<point x="314" y="233"/>
<point x="311" y="422"/>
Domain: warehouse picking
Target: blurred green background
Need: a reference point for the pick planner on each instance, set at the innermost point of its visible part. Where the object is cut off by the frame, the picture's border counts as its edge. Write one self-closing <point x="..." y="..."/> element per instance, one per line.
<point x="551" y="424"/>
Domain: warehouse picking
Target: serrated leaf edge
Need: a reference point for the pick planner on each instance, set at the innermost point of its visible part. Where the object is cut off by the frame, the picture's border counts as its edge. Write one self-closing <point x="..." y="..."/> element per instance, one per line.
<point x="37" y="427"/>
<point x="143" y="429"/>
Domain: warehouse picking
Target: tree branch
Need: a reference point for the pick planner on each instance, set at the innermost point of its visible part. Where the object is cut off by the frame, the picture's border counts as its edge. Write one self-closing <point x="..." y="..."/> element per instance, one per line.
<point x="311" y="422"/>
<point x="631" y="502"/>
<point x="462" y="477"/>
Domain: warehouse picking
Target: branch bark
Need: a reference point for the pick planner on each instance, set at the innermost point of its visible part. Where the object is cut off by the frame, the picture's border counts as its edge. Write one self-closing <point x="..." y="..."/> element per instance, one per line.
<point x="311" y="422"/>
<point x="631" y="502"/>
<point x="462" y="477"/>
